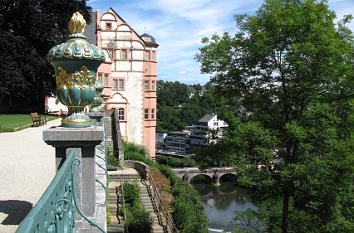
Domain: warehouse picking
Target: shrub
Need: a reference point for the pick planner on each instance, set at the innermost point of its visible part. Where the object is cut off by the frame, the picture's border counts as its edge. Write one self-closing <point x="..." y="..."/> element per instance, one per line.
<point x="135" y="152"/>
<point x="111" y="159"/>
<point x="138" y="220"/>
<point x="187" y="213"/>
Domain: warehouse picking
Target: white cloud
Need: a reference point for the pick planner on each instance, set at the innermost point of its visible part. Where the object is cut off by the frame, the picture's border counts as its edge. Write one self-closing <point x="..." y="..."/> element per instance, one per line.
<point x="178" y="27"/>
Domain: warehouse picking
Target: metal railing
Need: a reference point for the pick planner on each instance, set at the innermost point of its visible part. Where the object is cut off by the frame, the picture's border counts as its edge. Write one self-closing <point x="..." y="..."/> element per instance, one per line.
<point x="56" y="209"/>
<point x="156" y="199"/>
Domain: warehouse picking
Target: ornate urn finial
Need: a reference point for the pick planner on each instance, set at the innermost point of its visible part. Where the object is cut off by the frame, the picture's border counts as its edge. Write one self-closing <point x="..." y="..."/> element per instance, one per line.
<point x="77" y="23"/>
<point x="75" y="64"/>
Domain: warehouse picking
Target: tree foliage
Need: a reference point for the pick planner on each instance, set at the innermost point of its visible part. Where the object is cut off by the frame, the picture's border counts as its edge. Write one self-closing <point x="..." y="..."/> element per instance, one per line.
<point x="28" y="29"/>
<point x="291" y="67"/>
<point x="180" y="105"/>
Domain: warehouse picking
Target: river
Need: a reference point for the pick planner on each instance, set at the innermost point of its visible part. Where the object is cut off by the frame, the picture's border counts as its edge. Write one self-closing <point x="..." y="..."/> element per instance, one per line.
<point x="222" y="203"/>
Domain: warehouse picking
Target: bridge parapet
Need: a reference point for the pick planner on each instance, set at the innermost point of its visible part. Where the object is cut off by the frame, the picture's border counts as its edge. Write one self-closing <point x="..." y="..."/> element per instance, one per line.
<point x="188" y="173"/>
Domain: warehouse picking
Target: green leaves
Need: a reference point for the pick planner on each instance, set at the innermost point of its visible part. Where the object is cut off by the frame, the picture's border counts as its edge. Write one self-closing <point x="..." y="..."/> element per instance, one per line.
<point x="28" y="29"/>
<point x="292" y="69"/>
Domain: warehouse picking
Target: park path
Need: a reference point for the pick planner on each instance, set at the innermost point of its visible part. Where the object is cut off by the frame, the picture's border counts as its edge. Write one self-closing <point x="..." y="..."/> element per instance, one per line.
<point x="27" y="166"/>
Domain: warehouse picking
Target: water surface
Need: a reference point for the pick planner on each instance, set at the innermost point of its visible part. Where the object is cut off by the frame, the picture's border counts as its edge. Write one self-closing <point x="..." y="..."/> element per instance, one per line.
<point x="222" y="203"/>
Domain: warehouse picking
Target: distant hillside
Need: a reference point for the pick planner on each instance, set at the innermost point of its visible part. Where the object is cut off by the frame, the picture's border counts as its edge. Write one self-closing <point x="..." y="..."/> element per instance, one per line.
<point x="179" y="104"/>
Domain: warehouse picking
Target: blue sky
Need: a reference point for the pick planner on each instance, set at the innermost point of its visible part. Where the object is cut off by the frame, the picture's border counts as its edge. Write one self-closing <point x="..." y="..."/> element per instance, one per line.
<point x="179" y="26"/>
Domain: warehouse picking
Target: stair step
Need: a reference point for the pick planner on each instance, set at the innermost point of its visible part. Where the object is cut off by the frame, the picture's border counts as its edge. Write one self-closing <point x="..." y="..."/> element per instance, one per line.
<point x="113" y="211"/>
<point x="115" y="229"/>
<point x="126" y="177"/>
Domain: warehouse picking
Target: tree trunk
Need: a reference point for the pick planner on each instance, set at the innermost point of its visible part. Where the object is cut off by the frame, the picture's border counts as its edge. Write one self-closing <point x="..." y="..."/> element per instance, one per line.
<point x="285" y="211"/>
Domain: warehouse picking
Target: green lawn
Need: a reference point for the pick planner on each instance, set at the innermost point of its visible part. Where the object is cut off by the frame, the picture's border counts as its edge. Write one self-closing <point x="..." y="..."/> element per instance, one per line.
<point x="15" y="122"/>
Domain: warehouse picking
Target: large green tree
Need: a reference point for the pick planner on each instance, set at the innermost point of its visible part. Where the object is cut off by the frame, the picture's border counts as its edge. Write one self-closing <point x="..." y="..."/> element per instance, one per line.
<point x="291" y="67"/>
<point x="28" y="29"/>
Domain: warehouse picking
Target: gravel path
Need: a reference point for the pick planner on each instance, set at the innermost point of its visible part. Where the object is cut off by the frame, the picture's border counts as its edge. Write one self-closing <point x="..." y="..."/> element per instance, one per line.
<point x="27" y="166"/>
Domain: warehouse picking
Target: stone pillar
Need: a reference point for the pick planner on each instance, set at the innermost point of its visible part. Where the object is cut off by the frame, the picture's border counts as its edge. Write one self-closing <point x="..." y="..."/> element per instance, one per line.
<point x="86" y="140"/>
<point x="216" y="179"/>
<point x="107" y="123"/>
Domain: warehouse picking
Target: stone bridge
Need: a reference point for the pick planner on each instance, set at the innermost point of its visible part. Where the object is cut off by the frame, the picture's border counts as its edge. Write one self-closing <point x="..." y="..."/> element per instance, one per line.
<point x="188" y="173"/>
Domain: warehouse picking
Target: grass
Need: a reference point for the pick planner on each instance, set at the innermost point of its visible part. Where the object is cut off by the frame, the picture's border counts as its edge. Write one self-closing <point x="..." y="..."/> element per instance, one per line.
<point x="16" y="122"/>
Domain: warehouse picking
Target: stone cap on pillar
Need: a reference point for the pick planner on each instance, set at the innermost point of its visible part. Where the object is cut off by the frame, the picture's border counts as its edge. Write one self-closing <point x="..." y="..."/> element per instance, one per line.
<point x="73" y="137"/>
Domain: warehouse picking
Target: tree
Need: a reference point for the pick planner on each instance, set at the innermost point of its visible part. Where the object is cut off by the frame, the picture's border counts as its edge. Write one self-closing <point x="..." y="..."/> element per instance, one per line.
<point x="292" y="69"/>
<point x="28" y="29"/>
<point x="180" y="104"/>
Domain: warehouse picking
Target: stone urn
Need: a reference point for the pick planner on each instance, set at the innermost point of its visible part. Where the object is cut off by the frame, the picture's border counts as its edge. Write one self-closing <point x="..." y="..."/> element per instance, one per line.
<point x="96" y="105"/>
<point x="75" y="63"/>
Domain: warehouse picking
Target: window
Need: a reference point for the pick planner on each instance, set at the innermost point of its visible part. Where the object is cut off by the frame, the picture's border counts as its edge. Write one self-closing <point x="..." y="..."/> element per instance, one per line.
<point x="108" y="26"/>
<point x="153" y="55"/>
<point x="121" y="84"/>
<point x="153" y="85"/>
<point x="152" y="113"/>
<point x="121" y="114"/>
<point x="115" y="84"/>
<point x="106" y="79"/>
<point x="147" y="55"/>
<point x="146" y="113"/>
<point x="146" y="85"/>
<point x="124" y="54"/>
<point x="99" y="78"/>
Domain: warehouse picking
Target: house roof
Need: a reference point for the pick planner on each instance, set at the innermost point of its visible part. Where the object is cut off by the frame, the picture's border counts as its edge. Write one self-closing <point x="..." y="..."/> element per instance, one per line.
<point x="149" y="40"/>
<point x="146" y="39"/>
<point x="206" y="118"/>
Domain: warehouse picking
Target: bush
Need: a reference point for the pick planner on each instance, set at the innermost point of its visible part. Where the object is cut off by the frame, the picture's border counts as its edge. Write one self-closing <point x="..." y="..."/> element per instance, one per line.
<point x="176" y="162"/>
<point x="138" y="220"/>
<point x="138" y="153"/>
<point x="188" y="213"/>
<point x="111" y="159"/>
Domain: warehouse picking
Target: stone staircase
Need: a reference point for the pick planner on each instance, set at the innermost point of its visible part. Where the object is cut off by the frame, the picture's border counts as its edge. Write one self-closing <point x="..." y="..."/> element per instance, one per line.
<point x="147" y="204"/>
<point x="117" y="178"/>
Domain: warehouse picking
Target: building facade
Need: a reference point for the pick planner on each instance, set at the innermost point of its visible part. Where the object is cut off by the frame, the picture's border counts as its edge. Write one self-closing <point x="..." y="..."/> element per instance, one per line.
<point x="129" y="77"/>
<point x="209" y="129"/>
<point x="177" y="143"/>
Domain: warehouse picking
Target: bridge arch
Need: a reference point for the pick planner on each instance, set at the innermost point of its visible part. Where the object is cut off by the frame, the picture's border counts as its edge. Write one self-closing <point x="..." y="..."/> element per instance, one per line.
<point x="196" y="175"/>
<point x="228" y="177"/>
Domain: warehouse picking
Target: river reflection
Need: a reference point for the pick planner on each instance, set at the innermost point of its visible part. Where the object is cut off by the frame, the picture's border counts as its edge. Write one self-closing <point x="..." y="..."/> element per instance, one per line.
<point x="221" y="203"/>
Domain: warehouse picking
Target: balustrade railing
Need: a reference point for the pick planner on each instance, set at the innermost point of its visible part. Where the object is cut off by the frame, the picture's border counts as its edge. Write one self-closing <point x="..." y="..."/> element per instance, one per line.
<point x="55" y="210"/>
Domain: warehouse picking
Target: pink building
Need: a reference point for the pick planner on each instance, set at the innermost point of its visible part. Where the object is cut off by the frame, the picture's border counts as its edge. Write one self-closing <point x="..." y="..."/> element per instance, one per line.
<point x="129" y="77"/>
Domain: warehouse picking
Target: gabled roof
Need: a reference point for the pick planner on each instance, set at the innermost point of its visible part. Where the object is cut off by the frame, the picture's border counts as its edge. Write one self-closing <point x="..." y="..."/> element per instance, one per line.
<point x="117" y="15"/>
<point x="140" y="37"/>
<point x="206" y="118"/>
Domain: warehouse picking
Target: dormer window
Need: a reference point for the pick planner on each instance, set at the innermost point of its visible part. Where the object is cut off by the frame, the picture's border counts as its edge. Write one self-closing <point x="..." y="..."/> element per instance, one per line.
<point x="108" y="26"/>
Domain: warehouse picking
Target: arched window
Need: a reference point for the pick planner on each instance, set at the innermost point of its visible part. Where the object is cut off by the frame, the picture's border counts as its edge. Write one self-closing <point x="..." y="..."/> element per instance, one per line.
<point x="121" y="114"/>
